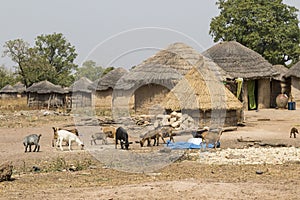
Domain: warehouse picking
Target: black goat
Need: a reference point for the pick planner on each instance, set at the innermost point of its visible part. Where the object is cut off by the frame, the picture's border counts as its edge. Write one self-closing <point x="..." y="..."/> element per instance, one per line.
<point x="122" y="135"/>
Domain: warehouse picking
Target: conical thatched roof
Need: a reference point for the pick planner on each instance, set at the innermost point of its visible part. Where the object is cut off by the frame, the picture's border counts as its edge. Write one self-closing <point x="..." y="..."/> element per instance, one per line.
<point x="45" y="87"/>
<point x="81" y="85"/>
<point x="202" y="92"/>
<point x="180" y="57"/>
<point x="294" y="71"/>
<point x="239" y="61"/>
<point x="168" y="66"/>
<point x="20" y="87"/>
<point x="281" y="70"/>
<point x="148" y="73"/>
<point x="8" y="89"/>
<point x="109" y="80"/>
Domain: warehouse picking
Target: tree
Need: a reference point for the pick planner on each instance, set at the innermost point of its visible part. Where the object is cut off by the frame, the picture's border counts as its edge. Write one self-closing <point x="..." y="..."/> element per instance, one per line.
<point x="7" y="77"/>
<point x="107" y="70"/>
<point x="267" y="27"/>
<point x="90" y="70"/>
<point x="60" y="54"/>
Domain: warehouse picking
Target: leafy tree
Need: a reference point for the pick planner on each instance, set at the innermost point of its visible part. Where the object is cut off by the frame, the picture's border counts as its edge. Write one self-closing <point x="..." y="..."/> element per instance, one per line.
<point x="60" y="54"/>
<point x="267" y="27"/>
<point x="90" y="70"/>
<point x="7" y="77"/>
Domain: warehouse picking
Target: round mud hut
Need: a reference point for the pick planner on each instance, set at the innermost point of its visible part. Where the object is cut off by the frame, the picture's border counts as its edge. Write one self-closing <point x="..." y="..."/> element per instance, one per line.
<point x="8" y="92"/>
<point x="293" y="74"/>
<point x="81" y="96"/>
<point x="244" y="64"/>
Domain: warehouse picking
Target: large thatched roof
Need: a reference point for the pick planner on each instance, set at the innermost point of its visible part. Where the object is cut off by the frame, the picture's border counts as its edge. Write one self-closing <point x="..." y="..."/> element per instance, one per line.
<point x="281" y="70"/>
<point x="148" y="73"/>
<point x="109" y="80"/>
<point x="167" y="67"/>
<point x="8" y="89"/>
<point x="180" y="57"/>
<point x="20" y="87"/>
<point x="200" y="91"/>
<point x="294" y="71"/>
<point x="81" y="85"/>
<point x="45" y="87"/>
<point x="239" y="61"/>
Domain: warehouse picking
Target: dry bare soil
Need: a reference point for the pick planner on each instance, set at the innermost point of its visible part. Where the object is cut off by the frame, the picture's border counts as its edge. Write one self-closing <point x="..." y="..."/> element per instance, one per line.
<point x="77" y="175"/>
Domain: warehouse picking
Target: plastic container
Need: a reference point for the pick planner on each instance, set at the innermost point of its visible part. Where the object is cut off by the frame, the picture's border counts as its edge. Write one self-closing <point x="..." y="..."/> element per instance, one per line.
<point x="292" y="105"/>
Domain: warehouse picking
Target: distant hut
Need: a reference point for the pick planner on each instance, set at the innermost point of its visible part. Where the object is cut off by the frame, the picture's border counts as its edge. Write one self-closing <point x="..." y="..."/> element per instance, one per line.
<point x="81" y="96"/>
<point x="152" y="80"/>
<point x="294" y="75"/>
<point x="205" y="99"/>
<point x="279" y="84"/>
<point x="45" y="94"/>
<point x="102" y="88"/>
<point x="8" y="92"/>
<point x="241" y="62"/>
<point x="21" y="89"/>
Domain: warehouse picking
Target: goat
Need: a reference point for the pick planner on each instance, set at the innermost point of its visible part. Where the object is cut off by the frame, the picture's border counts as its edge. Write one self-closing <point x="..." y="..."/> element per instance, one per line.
<point x="293" y="132"/>
<point x="32" y="139"/>
<point x="99" y="136"/>
<point x="168" y="132"/>
<point x="74" y="131"/>
<point x="155" y="135"/>
<point x="110" y="131"/>
<point x="212" y="136"/>
<point x="122" y="135"/>
<point x="69" y="137"/>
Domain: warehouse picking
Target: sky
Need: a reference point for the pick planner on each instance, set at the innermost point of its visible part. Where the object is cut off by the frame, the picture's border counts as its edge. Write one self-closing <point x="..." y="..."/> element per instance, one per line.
<point x="113" y="32"/>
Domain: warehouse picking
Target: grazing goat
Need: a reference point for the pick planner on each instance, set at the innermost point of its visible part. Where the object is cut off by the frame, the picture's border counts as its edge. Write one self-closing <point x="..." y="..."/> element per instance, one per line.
<point x="32" y="139"/>
<point x="211" y="136"/>
<point x="64" y="135"/>
<point x="99" y="136"/>
<point x="74" y="131"/>
<point x="122" y="135"/>
<point x="168" y="132"/>
<point x="110" y="131"/>
<point x="293" y="132"/>
<point x="155" y="135"/>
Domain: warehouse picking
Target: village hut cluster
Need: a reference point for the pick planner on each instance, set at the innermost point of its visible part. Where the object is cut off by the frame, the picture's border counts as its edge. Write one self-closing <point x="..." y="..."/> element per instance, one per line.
<point x="213" y="87"/>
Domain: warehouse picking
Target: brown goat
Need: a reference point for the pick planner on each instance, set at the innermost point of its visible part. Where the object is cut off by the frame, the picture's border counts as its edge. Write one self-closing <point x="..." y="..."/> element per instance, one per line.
<point x="155" y="135"/>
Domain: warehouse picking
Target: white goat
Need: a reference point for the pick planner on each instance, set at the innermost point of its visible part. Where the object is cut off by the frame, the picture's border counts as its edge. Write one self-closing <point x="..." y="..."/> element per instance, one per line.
<point x="67" y="136"/>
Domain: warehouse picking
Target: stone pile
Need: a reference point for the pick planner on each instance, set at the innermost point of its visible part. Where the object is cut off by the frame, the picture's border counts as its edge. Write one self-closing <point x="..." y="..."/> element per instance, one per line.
<point x="176" y="120"/>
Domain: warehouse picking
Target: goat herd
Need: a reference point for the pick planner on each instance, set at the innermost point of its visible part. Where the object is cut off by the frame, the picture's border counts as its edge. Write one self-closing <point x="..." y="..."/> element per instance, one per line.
<point x="118" y="134"/>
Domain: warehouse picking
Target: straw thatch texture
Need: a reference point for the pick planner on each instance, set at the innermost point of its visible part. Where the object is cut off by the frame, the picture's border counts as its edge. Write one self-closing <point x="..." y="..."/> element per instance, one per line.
<point x="294" y="71"/>
<point x="45" y="87"/>
<point x="20" y="87"/>
<point x="198" y="92"/>
<point x="240" y="61"/>
<point x="81" y="85"/>
<point x="8" y="89"/>
<point x="109" y="80"/>
<point x="281" y="70"/>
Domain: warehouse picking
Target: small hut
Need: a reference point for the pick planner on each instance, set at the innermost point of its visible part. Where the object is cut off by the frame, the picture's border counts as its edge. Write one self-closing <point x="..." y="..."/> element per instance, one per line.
<point x="279" y="84"/>
<point x="241" y="62"/>
<point x="204" y="98"/>
<point x="21" y="89"/>
<point x="45" y="94"/>
<point x="102" y="89"/>
<point x="153" y="79"/>
<point x="294" y="75"/>
<point x="8" y="92"/>
<point x="81" y="96"/>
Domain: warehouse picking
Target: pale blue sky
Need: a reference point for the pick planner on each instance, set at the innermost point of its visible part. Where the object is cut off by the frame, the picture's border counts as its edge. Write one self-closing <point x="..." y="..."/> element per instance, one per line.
<point x="90" y="26"/>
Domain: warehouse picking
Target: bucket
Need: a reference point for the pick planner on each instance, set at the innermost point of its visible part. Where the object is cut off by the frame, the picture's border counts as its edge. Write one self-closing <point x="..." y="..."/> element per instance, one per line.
<point x="291" y="105"/>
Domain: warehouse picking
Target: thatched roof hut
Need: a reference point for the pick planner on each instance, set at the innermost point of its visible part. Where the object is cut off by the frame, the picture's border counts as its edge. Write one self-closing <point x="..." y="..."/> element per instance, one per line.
<point x="294" y="74"/>
<point x="201" y="96"/>
<point x="81" y="95"/>
<point x="242" y="62"/>
<point x="8" y="92"/>
<point x="45" y="94"/>
<point x="102" y="89"/>
<point x="21" y="89"/>
<point x="152" y="80"/>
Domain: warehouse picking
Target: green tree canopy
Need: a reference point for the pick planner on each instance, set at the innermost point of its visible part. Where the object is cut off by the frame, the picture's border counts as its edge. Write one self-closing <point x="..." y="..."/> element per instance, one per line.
<point x="7" y="77"/>
<point x="267" y="27"/>
<point x="52" y="59"/>
<point x="90" y="70"/>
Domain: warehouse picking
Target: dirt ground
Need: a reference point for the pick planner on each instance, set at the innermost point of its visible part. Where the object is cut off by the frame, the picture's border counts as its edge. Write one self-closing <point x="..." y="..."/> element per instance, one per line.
<point x="77" y="175"/>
